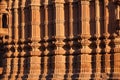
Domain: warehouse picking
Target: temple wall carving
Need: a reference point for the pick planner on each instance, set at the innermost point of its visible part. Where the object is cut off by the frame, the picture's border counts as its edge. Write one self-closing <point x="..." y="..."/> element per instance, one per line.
<point x="59" y="39"/>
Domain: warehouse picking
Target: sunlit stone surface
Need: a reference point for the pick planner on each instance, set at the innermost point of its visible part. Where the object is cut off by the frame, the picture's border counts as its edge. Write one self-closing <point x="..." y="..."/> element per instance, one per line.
<point x="59" y="39"/>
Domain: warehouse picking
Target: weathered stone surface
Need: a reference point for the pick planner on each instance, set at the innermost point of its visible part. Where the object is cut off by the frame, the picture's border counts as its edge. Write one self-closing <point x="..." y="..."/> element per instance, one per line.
<point x="59" y="39"/>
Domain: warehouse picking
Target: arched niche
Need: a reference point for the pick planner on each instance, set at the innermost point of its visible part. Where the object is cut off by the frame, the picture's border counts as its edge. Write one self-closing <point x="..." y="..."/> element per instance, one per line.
<point x="4" y="21"/>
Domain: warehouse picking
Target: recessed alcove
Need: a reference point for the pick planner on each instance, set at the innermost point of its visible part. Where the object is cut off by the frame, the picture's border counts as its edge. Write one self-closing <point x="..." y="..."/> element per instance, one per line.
<point x="4" y="21"/>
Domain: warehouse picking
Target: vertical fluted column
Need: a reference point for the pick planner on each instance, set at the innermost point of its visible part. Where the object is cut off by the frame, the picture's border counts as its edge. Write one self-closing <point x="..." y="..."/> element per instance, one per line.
<point x="35" y="27"/>
<point x="34" y="58"/>
<point x="22" y="24"/>
<point x="116" y="55"/>
<point x="97" y="35"/>
<point x="97" y="17"/>
<point x="22" y="39"/>
<point x="7" y="57"/>
<point x="46" y="26"/>
<point x="22" y="20"/>
<point x="14" y="62"/>
<point x="15" y="24"/>
<point x="71" y="26"/>
<point x="106" y="22"/>
<point x="15" y="20"/>
<point x="106" y="16"/>
<point x="70" y="20"/>
<point x="85" y="25"/>
<point x="45" y="61"/>
<point x="0" y="20"/>
<point x="85" y="62"/>
<point x="106" y="35"/>
<point x="97" y="24"/>
<point x="59" y="26"/>
<point x="9" y="19"/>
<point x="46" y="21"/>
<point x="59" y="58"/>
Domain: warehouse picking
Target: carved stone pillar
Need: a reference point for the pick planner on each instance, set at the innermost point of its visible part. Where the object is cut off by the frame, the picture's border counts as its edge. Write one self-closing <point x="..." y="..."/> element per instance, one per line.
<point x="46" y="27"/>
<point x="71" y="26"/>
<point x="35" y="28"/>
<point x="106" y="20"/>
<point x="22" y="24"/>
<point x="59" y="58"/>
<point x="85" y="17"/>
<point x="0" y="20"/>
<point x="97" y="23"/>
<point x="85" y="60"/>
<point x="14" y="62"/>
<point x="70" y="19"/>
<point x="9" y="19"/>
<point x="97" y="35"/>
<point x="59" y="26"/>
<point x="116" y="54"/>
<point x="22" y="39"/>
<point x="46" y="21"/>
<point x="35" y="59"/>
<point x="15" y="24"/>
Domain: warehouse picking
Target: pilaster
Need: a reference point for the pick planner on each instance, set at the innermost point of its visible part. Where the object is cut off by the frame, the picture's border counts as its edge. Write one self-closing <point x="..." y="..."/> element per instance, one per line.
<point x="15" y="24"/>
<point x="0" y="20"/>
<point x="106" y="21"/>
<point x="35" y="28"/>
<point x="59" y="58"/>
<point x="116" y="55"/>
<point x="46" y="36"/>
<point x="85" y="18"/>
<point x="97" y="25"/>
<point x="35" y="53"/>
<point x="70" y="19"/>
<point x="59" y="26"/>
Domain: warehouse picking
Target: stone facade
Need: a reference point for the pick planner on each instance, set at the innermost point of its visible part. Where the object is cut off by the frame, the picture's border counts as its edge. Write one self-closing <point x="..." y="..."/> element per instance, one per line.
<point x="59" y="39"/>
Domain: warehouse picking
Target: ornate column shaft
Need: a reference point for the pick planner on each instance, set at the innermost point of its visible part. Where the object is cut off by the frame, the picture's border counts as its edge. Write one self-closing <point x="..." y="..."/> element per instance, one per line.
<point x="97" y="35"/>
<point x="9" y="20"/>
<point x="85" y="58"/>
<point x="59" y="26"/>
<point x="116" y="54"/>
<point x="14" y="62"/>
<point x="34" y="58"/>
<point x="15" y="24"/>
<point x="97" y="17"/>
<point x="0" y="20"/>
<point x="97" y="24"/>
<point x="22" y="20"/>
<point x="46" y="26"/>
<point x="70" y="20"/>
<point x="59" y="58"/>
<point x="15" y="20"/>
<point x="85" y="17"/>
<point x="22" y="39"/>
<point x="106" y="33"/>
<point x="46" y="21"/>
<point x="106" y="16"/>
<point x="35" y="26"/>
